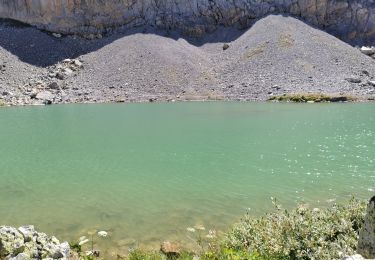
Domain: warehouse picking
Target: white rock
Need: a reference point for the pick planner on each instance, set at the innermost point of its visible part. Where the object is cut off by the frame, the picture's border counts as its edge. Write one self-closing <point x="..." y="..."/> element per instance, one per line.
<point x="65" y="249"/>
<point x="78" y="63"/>
<point x="27" y="232"/>
<point x="102" y="233"/>
<point x="354" y="257"/>
<point x="57" y="35"/>
<point x="45" y="95"/>
<point x="68" y="72"/>
<point x="83" y="242"/>
<point x="21" y="256"/>
<point x="368" y="50"/>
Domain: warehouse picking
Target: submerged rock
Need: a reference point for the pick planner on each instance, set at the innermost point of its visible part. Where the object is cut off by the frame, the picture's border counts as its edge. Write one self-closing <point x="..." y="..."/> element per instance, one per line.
<point x="170" y="248"/>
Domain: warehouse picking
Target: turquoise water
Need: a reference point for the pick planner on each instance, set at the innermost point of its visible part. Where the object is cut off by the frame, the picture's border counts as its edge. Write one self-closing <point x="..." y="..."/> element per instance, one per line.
<point x="146" y="172"/>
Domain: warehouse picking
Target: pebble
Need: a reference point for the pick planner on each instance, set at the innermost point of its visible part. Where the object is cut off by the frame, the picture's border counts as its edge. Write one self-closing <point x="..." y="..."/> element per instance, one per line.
<point x="353" y="79"/>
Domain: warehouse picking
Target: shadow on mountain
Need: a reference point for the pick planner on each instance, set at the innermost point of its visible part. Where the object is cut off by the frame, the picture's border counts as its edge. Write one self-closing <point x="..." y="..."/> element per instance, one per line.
<point x="42" y="49"/>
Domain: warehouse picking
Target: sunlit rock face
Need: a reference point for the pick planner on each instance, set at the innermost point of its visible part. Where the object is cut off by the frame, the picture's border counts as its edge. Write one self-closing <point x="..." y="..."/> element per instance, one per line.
<point x="350" y="19"/>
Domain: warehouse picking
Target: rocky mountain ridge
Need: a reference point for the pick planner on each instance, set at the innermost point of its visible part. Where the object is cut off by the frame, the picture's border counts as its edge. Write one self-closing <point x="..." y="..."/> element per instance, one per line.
<point x="351" y="20"/>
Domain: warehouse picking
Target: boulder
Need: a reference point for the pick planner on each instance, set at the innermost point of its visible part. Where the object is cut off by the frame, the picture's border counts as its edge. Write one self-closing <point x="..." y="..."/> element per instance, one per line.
<point x="53" y="85"/>
<point x="353" y="79"/>
<point x="21" y="256"/>
<point x="170" y="249"/>
<point x="68" y="72"/>
<point x="78" y="63"/>
<point x="366" y="243"/>
<point x="354" y="257"/>
<point x="11" y="242"/>
<point x="28" y="232"/>
<point x="46" y="96"/>
<point x="368" y="50"/>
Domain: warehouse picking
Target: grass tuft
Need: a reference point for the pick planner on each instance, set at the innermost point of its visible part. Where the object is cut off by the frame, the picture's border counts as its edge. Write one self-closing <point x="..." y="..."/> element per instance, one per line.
<point x="308" y="97"/>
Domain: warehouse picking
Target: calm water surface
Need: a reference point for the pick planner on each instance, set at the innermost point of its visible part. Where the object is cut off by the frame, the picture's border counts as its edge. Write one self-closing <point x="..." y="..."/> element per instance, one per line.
<point x="145" y="172"/>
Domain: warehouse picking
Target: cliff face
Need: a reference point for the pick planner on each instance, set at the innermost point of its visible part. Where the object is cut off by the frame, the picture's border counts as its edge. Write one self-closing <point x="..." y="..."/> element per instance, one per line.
<point x="352" y="20"/>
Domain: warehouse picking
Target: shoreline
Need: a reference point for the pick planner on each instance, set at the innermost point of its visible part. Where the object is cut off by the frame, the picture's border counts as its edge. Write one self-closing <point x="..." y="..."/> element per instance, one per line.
<point x="26" y="242"/>
<point x="275" y="99"/>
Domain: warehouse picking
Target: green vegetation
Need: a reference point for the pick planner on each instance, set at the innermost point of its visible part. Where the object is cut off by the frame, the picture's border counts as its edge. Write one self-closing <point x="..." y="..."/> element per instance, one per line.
<point x="302" y="233"/>
<point x="302" y="98"/>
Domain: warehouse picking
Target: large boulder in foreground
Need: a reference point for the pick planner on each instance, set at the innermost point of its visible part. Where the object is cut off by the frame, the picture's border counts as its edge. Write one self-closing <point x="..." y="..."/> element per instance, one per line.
<point x="366" y="244"/>
<point x="352" y="20"/>
<point x="26" y="243"/>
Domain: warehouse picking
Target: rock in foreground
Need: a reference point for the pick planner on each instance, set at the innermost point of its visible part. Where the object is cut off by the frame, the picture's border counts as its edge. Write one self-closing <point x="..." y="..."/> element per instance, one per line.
<point x="26" y="243"/>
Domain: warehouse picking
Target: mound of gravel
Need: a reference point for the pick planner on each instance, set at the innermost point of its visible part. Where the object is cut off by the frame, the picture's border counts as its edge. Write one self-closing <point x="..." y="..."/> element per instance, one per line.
<point x="276" y="55"/>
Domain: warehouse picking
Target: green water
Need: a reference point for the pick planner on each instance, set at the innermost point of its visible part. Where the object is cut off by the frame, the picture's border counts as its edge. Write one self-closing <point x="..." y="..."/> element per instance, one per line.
<point x="146" y="172"/>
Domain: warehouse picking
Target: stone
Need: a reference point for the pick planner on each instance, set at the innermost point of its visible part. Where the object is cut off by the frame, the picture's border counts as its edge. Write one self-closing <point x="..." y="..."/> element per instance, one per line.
<point x="33" y="93"/>
<point x="102" y="234"/>
<point x="7" y="93"/>
<point x="68" y="72"/>
<point x="366" y="243"/>
<point x="353" y="79"/>
<point x="11" y="241"/>
<point x="46" y="96"/>
<point x="21" y="256"/>
<point x="170" y="248"/>
<point x="78" y="63"/>
<point x="354" y="257"/>
<point x="225" y="46"/>
<point x="53" y="85"/>
<point x="60" y="76"/>
<point x="371" y="82"/>
<point x="368" y="50"/>
<point x="65" y="249"/>
<point x="27" y="232"/>
<point x="57" y="35"/>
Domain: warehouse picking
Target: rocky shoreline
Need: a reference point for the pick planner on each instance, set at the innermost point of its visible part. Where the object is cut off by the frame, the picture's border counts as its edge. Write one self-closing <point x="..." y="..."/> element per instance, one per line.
<point x="354" y="221"/>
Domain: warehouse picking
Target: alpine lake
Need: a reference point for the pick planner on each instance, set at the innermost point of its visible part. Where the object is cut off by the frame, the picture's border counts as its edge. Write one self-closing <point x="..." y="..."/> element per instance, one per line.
<point x="146" y="172"/>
